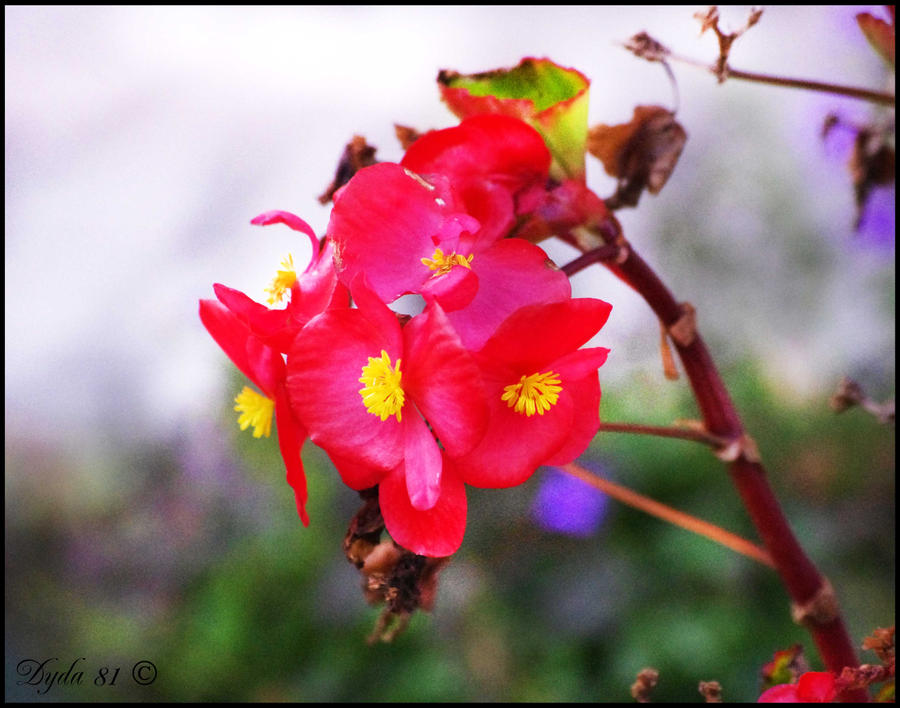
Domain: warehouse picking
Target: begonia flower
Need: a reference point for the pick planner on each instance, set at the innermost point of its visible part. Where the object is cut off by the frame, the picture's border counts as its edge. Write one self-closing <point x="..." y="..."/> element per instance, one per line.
<point x="390" y="405"/>
<point x="254" y="337"/>
<point x="309" y="293"/>
<point x="387" y="224"/>
<point x="542" y="391"/>
<point x="265" y="367"/>
<point x="811" y="687"/>
<point x="398" y="229"/>
<point x="498" y="166"/>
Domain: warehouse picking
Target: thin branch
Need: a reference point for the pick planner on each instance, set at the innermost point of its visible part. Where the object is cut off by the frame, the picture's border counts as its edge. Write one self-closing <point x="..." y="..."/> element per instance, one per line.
<point x="879" y="97"/>
<point x="645" y="47"/>
<point x="598" y="255"/>
<point x="673" y="516"/>
<point x="666" y="432"/>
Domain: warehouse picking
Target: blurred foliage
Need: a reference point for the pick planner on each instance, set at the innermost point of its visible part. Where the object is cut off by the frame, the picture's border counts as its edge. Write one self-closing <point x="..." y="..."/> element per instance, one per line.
<point x="204" y="569"/>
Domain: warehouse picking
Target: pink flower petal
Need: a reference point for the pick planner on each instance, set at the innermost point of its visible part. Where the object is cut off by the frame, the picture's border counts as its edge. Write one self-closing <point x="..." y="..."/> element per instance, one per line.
<point x="422" y="463"/>
<point x="258" y="362"/>
<point x="484" y="146"/>
<point x="511" y="274"/>
<point x="324" y="368"/>
<point x="537" y="335"/>
<point x="385" y="222"/>
<point x="782" y="693"/>
<point x="291" y="436"/>
<point x="514" y="445"/>
<point x="453" y="290"/>
<point x="585" y="395"/>
<point x="437" y="532"/>
<point x="816" y="687"/>
<point x="275" y="328"/>
<point x="444" y="380"/>
<point x="355" y="475"/>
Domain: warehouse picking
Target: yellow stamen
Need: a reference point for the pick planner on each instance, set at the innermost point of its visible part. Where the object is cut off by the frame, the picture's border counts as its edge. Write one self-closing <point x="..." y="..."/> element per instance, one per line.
<point x="382" y="394"/>
<point x="442" y="264"/>
<point x="284" y="280"/>
<point x="533" y="394"/>
<point x="256" y="410"/>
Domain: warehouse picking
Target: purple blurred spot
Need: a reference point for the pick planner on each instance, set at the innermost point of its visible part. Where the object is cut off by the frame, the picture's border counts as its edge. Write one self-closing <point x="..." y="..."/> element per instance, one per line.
<point x="877" y="226"/>
<point x="567" y="505"/>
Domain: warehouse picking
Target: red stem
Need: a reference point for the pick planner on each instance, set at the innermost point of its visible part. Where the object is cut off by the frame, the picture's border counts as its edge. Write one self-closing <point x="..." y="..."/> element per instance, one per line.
<point x="799" y="575"/>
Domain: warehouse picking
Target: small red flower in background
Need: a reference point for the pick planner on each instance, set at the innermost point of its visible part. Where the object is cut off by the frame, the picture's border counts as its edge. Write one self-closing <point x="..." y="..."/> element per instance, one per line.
<point x="811" y="687"/>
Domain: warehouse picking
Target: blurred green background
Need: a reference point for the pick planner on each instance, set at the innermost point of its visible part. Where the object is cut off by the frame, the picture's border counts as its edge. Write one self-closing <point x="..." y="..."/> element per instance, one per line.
<point x="130" y="540"/>
<point x="203" y="568"/>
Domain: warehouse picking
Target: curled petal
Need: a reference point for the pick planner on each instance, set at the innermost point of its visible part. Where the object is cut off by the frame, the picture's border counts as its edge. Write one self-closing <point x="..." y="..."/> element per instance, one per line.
<point x="291" y="220"/>
<point x="275" y="328"/>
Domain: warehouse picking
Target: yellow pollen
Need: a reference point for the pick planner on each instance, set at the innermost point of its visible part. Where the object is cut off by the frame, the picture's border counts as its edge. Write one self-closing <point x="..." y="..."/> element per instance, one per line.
<point x="442" y="264"/>
<point x="382" y="394"/>
<point x="256" y="410"/>
<point x="533" y="394"/>
<point x="284" y="280"/>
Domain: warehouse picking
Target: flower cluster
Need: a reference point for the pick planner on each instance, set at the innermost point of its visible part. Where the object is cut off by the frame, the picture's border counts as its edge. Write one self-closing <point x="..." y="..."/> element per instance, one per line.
<point x="482" y="386"/>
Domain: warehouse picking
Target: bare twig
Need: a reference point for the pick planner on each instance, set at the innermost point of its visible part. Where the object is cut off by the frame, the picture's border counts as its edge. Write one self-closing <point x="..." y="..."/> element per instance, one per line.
<point x="673" y="516"/>
<point x="646" y="47"/>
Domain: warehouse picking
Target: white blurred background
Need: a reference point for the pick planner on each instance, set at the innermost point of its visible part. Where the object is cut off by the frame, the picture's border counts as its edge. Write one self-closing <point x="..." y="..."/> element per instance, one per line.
<point x="140" y="141"/>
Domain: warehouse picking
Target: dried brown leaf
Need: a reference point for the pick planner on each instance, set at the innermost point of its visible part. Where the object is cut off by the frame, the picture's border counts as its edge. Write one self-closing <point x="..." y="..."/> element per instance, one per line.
<point x="406" y="135"/>
<point x="709" y="18"/>
<point x="641" y="154"/>
<point x="879" y="33"/>
<point x="357" y="154"/>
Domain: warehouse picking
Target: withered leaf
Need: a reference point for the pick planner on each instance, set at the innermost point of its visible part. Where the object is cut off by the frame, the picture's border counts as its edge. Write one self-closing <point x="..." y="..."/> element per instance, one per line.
<point x="356" y="155"/>
<point x="879" y="33"/>
<point x="406" y="135"/>
<point x="872" y="164"/>
<point x="641" y="154"/>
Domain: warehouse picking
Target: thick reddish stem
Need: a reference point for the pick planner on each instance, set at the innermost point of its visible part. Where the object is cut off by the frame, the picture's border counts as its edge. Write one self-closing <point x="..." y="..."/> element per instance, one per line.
<point x="801" y="578"/>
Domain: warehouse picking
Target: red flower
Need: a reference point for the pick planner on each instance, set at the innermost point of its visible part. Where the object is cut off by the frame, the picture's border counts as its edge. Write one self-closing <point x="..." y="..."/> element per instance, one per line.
<point x="542" y="391"/>
<point x="811" y="687"/>
<point x="399" y="230"/>
<point x="253" y="336"/>
<point x="418" y="384"/>
<point x="389" y="224"/>
<point x="264" y="366"/>
<point x="497" y="165"/>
